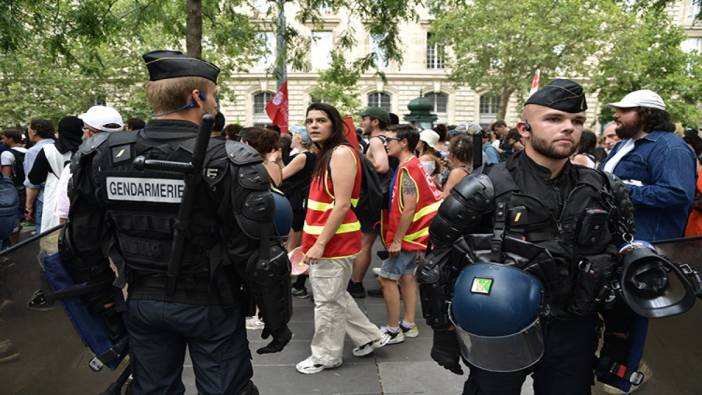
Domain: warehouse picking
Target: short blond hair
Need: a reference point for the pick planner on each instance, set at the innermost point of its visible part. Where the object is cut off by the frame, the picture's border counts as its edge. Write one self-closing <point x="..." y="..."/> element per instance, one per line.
<point x="170" y="94"/>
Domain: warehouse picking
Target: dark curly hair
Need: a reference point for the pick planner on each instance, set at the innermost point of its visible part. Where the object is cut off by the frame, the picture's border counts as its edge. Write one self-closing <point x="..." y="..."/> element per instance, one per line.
<point x="655" y="119"/>
<point x="262" y="140"/>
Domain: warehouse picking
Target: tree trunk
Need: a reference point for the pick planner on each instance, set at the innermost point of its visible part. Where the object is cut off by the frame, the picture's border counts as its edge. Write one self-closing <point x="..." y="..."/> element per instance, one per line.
<point x="504" y="102"/>
<point x="193" y="35"/>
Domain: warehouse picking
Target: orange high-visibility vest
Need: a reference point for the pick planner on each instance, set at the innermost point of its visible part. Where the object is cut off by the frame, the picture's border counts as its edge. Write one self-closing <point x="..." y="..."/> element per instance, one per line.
<point x="428" y="202"/>
<point x="320" y="202"/>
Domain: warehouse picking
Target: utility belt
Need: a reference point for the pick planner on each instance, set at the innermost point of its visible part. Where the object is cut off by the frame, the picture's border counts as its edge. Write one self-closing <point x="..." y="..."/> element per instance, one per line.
<point x="191" y="288"/>
<point x="573" y="286"/>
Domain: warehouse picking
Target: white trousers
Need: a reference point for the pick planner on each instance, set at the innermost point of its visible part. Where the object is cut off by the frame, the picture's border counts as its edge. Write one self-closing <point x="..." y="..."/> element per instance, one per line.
<point x="336" y="312"/>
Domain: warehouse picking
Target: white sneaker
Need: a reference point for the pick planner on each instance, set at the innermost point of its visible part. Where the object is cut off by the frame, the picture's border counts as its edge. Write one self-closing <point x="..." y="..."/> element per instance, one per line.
<point x="254" y="323"/>
<point x="367" y="349"/>
<point x="409" y="330"/>
<point x="390" y="336"/>
<point x="311" y="366"/>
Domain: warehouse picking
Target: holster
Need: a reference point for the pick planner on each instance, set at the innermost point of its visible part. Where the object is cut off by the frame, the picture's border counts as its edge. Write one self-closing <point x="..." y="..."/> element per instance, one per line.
<point x="593" y="272"/>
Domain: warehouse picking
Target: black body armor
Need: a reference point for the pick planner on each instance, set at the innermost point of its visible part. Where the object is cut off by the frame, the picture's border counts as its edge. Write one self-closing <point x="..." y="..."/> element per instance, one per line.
<point x="566" y="236"/>
<point x="139" y="211"/>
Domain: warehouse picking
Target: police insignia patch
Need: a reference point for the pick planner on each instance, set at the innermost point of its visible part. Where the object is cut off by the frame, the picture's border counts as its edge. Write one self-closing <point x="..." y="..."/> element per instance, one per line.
<point x="481" y="285"/>
<point x="121" y="153"/>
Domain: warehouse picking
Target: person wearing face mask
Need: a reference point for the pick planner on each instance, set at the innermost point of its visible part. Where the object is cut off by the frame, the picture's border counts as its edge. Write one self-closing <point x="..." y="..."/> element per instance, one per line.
<point x="230" y="258"/>
<point x="429" y="157"/>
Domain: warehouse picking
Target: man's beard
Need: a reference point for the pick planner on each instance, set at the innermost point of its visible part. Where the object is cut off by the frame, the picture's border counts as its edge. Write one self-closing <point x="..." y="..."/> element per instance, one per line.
<point x="548" y="150"/>
<point x="627" y="132"/>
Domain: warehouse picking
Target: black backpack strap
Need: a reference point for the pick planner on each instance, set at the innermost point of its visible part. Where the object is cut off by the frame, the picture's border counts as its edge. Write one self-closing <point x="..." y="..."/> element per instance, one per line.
<point x="504" y="187"/>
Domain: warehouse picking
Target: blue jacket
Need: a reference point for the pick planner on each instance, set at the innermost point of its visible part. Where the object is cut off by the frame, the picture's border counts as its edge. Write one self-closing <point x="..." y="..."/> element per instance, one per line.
<point x="666" y="167"/>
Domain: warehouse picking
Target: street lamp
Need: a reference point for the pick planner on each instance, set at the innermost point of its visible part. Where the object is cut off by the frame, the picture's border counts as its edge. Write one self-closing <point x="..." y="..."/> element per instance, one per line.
<point x="420" y="113"/>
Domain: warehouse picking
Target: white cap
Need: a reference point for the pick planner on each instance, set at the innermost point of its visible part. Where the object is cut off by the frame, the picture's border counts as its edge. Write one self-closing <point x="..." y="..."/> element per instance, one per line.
<point x="642" y="98"/>
<point x="430" y="137"/>
<point x="103" y="118"/>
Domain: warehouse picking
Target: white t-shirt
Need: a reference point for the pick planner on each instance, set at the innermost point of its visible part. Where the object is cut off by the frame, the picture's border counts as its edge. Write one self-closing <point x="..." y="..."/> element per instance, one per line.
<point x="8" y="159"/>
<point x="62" y="202"/>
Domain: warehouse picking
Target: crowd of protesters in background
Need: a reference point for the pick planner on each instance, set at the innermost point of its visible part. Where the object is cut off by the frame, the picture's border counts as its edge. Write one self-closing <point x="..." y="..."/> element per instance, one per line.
<point x="319" y="170"/>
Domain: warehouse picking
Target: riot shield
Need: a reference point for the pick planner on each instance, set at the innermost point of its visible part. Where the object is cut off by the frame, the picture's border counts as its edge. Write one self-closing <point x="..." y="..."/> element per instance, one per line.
<point x="40" y="351"/>
<point x="673" y="344"/>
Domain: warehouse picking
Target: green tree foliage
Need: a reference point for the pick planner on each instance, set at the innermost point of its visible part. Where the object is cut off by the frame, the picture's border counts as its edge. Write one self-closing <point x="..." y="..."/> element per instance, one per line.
<point x="648" y="55"/>
<point x="338" y="85"/>
<point x="498" y="44"/>
<point x="60" y="57"/>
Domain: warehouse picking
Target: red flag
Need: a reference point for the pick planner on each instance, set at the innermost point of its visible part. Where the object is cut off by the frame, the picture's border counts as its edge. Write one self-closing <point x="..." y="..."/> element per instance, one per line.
<point x="350" y="132"/>
<point x="277" y="108"/>
<point x="535" y="82"/>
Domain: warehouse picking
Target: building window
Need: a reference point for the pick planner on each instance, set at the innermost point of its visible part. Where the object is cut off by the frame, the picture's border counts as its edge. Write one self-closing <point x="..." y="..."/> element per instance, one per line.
<point x="435" y="54"/>
<point x="692" y="45"/>
<point x="266" y="60"/>
<point x="440" y="101"/>
<point x="489" y="107"/>
<point x="321" y="50"/>
<point x="379" y="99"/>
<point x="260" y="100"/>
<point x="693" y="10"/>
<point x="381" y="59"/>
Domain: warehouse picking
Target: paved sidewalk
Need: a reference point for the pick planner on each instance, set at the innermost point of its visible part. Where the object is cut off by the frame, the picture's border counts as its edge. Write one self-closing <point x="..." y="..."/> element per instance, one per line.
<point x="404" y="368"/>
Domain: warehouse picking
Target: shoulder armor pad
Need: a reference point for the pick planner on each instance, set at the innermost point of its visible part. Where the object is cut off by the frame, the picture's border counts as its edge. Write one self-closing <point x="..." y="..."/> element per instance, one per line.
<point x="122" y="138"/>
<point x="254" y="177"/>
<point x="91" y="145"/>
<point x="477" y="191"/>
<point x="501" y="178"/>
<point x="593" y="177"/>
<point x="242" y="154"/>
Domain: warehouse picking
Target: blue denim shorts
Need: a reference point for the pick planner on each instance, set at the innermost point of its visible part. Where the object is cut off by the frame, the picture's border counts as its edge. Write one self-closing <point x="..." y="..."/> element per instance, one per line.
<point x="395" y="267"/>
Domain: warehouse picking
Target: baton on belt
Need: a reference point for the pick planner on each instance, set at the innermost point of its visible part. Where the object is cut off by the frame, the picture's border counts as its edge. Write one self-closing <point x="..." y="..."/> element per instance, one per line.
<point x="193" y="176"/>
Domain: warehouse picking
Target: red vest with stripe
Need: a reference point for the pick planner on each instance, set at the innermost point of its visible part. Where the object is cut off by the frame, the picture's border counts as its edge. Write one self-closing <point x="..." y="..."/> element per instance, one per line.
<point x="320" y="202"/>
<point x="428" y="202"/>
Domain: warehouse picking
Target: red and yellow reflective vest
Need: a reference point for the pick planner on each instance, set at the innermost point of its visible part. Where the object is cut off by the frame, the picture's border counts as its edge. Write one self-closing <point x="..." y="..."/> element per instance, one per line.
<point x="428" y="202"/>
<point x="320" y="202"/>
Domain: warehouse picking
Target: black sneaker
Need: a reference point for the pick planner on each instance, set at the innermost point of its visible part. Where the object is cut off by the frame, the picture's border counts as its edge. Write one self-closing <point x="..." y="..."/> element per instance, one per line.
<point x="300" y="293"/>
<point x="38" y="302"/>
<point x="356" y="290"/>
<point x="8" y="351"/>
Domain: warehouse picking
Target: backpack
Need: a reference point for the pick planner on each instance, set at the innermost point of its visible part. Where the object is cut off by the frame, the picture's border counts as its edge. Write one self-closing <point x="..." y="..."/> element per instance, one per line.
<point x="18" y="168"/>
<point x="9" y="205"/>
<point x="374" y="189"/>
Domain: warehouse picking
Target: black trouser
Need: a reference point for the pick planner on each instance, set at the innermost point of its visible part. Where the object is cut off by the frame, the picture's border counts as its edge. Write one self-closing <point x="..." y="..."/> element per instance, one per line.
<point x="565" y="368"/>
<point x="216" y="340"/>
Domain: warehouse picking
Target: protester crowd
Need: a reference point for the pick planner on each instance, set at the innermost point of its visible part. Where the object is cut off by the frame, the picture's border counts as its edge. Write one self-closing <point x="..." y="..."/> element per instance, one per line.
<point x="319" y="167"/>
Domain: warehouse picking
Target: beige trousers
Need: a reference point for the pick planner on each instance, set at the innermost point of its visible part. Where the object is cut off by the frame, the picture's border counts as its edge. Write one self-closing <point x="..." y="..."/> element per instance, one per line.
<point x="336" y="312"/>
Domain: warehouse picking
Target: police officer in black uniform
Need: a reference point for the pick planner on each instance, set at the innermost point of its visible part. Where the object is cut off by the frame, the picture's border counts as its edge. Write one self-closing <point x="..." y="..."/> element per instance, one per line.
<point x="540" y="213"/>
<point x="228" y="258"/>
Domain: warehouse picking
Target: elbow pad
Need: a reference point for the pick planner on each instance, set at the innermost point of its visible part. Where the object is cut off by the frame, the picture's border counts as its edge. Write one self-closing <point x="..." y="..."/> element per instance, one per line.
<point x="269" y="282"/>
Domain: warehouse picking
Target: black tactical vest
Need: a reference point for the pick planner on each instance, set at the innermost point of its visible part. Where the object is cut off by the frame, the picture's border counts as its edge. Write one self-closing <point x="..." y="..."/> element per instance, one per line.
<point x="142" y="206"/>
<point x="579" y="238"/>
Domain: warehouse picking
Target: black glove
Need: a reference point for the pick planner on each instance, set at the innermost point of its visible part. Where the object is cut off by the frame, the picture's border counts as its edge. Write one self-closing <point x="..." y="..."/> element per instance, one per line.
<point x="446" y="351"/>
<point x="110" y="306"/>
<point x="281" y="338"/>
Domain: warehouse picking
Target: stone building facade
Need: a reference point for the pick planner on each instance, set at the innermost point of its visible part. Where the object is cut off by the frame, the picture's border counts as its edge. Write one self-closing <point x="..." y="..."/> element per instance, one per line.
<point x="422" y="72"/>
